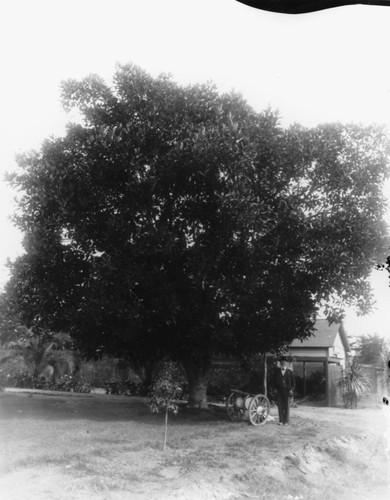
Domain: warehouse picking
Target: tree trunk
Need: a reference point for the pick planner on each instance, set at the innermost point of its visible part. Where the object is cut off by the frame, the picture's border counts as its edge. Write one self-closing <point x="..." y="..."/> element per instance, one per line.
<point x="146" y="371"/>
<point x="166" y="426"/>
<point x="198" y="375"/>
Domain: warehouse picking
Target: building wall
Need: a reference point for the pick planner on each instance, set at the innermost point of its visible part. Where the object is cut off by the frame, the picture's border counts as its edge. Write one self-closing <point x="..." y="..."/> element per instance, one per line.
<point x="338" y="351"/>
<point x="334" y="392"/>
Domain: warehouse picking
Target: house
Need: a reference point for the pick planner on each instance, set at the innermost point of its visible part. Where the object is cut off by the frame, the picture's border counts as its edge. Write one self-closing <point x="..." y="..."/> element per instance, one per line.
<point x="319" y="361"/>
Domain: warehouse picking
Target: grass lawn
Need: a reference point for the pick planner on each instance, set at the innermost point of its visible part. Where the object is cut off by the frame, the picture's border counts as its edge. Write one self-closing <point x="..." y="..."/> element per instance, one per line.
<point x="95" y="446"/>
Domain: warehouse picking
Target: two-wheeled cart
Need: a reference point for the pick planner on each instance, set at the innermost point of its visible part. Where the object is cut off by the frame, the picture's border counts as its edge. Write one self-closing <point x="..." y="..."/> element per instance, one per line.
<point x="241" y="405"/>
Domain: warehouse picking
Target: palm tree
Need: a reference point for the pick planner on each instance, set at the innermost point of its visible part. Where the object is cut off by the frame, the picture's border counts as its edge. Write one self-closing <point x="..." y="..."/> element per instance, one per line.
<point x="37" y="349"/>
<point x="384" y="360"/>
<point x="354" y="383"/>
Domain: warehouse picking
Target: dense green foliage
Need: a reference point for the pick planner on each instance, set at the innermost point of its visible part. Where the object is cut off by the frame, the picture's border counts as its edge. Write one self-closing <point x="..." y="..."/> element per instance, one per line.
<point x="24" y="380"/>
<point x="38" y="349"/>
<point x="11" y="328"/>
<point x="369" y="348"/>
<point x="177" y="221"/>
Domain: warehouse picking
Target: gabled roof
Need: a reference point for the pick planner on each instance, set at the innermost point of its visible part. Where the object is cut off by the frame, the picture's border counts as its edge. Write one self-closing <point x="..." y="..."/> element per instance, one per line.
<point x="324" y="335"/>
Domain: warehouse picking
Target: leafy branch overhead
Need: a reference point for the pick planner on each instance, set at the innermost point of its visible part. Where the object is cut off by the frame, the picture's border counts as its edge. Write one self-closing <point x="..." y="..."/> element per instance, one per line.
<point x="179" y="221"/>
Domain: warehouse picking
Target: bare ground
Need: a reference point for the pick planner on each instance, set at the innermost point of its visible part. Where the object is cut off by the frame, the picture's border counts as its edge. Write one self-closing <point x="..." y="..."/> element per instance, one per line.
<point x="56" y="447"/>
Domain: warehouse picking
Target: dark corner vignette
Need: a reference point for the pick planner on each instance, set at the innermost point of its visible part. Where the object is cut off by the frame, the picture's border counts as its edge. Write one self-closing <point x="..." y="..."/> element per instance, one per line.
<point x="302" y="6"/>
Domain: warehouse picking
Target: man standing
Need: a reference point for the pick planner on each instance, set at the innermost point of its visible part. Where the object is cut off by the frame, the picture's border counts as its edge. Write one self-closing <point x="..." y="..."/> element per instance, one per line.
<point x="284" y="384"/>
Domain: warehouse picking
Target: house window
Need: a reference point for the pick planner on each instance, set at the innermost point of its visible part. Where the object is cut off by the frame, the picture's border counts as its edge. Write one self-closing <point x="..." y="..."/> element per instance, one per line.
<point x="310" y="379"/>
<point x="315" y="379"/>
<point x="299" y="379"/>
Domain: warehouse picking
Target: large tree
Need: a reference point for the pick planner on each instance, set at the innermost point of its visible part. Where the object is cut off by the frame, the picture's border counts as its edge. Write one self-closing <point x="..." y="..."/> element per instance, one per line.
<point x="176" y="220"/>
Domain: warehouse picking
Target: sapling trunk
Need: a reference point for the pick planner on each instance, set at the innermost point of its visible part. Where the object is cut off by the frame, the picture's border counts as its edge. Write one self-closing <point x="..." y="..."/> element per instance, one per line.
<point x="166" y="426"/>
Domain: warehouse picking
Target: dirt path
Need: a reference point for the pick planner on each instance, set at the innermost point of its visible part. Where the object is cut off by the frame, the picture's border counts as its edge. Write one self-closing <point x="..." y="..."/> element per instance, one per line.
<point x="57" y="447"/>
<point x="346" y="458"/>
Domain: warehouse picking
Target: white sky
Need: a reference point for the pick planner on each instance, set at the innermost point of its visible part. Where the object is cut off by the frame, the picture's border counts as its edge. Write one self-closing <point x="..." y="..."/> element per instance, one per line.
<point x="330" y="65"/>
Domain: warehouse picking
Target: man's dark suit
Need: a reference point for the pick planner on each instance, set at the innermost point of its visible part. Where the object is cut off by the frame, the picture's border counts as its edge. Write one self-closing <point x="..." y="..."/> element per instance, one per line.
<point x="284" y="385"/>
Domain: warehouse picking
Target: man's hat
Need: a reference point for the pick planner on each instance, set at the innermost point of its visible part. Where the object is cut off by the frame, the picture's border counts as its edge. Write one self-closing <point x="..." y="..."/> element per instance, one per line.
<point x="283" y="358"/>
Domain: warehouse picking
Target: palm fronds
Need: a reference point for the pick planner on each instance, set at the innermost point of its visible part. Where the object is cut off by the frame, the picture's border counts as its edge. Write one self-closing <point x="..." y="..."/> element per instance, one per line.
<point x="354" y="383"/>
<point x="384" y="377"/>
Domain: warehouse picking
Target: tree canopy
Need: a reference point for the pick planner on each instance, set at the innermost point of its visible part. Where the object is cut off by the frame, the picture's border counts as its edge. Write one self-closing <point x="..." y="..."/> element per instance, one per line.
<point x="178" y="220"/>
<point x="369" y="348"/>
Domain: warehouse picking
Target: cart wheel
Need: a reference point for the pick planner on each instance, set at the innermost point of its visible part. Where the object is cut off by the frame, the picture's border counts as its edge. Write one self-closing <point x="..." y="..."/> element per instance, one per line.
<point x="258" y="410"/>
<point x="233" y="410"/>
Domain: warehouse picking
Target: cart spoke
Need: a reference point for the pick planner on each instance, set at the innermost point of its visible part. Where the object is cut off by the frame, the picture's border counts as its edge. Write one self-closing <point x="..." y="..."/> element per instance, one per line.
<point x="233" y="410"/>
<point x="258" y="410"/>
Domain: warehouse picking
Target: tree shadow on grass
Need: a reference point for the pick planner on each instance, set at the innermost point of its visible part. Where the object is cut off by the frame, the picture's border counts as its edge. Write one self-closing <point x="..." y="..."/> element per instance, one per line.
<point x="94" y="407"/>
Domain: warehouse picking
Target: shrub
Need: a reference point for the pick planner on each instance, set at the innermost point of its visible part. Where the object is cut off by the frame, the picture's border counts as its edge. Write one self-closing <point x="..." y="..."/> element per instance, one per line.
<point x="68" y="383"/>
<point x="24" y="380"/>
<point x="131" y="387"/>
